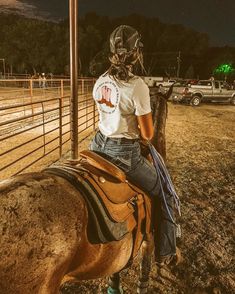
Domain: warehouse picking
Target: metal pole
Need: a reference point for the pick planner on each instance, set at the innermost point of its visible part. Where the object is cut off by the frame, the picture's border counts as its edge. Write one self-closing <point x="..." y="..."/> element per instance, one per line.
<point x="73" y="14"/>
<point x="60" y="126"/>
<point x="62" y="95"/>
<point x="31" y="97"/>
<point x="4" y="68"/>
<point x="178" y="64"/>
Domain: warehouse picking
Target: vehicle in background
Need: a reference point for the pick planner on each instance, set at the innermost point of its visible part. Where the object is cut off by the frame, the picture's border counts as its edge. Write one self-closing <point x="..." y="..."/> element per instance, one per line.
<point x="151" y="81"/>
<point x="181" y="84"/>
<point x="203" y="91"/>
<point x="159" y="81"/>
<point x="226" y="85"/>
<point x="165" y="83"/>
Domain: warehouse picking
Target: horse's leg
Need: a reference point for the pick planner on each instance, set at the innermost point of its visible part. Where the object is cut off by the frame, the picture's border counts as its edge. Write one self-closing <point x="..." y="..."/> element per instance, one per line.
<point x="114" y="284"/>
<point x="145" y="265"/>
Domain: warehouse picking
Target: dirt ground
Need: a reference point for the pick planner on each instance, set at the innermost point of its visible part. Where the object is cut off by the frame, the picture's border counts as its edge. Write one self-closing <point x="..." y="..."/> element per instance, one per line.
<point x="201" y="160"/>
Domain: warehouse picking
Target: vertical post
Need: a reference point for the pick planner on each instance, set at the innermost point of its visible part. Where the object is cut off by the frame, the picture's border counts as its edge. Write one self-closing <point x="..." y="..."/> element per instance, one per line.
<point x="61" y="111"/>
<point x="60" y="127"/>
<point x="73" y="13"/>
<point x="62" y="88"/>
<point x="83" y="86"/>
<point x="94" y="110"/>
<point x="4" y="67"/>
<point x="62" y="95"/>
<point x="44" y="128"/>
<point x="93" y="115"/>
<point x="31" y="95"/>
<point x="178" y="64"/>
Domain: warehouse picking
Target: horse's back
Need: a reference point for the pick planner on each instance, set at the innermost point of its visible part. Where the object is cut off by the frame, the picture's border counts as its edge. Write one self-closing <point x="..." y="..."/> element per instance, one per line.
<point x="41" y="219"/>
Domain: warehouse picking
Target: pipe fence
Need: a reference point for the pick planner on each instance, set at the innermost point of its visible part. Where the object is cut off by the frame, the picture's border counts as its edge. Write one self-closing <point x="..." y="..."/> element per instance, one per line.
<point x="35" y="129"/>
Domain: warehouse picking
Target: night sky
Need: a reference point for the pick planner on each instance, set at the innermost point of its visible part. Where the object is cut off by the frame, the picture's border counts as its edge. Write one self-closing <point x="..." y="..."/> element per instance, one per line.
<point x="214" y="17"/>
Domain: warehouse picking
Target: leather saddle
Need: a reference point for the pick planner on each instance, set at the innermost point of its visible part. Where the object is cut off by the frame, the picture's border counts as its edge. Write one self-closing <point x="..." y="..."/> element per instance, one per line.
<point x="115" y="206"/>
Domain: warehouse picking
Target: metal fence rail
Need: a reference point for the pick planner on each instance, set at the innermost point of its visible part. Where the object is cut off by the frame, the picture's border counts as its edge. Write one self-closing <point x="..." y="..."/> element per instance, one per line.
<point x="31" y="131"/>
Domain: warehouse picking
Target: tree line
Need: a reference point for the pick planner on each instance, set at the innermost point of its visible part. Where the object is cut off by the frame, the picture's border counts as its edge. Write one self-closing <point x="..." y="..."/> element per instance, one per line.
<point x="32" y="45"/>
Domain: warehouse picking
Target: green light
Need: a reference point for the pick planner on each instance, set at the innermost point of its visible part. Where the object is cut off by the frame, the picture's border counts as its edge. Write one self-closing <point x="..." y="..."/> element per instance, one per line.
<point x="224" y="69"/>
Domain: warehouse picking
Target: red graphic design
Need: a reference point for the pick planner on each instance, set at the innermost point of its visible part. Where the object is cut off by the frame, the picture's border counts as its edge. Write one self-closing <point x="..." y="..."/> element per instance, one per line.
<point x="106" y="97"/>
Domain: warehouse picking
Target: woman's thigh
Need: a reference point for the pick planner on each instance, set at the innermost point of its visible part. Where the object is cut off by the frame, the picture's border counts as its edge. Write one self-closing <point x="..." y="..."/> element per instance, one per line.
<point x="144" y="175"/>
<point x="128" y="157"/>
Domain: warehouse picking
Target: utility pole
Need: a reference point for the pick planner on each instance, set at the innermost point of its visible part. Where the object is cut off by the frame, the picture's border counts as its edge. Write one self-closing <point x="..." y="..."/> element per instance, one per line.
<point x="178" y="64"/>
<point x="73" y="16"/>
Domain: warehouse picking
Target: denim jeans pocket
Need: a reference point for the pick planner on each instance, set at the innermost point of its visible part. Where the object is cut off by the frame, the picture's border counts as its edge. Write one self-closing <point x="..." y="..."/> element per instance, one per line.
<point x="121" y="159"/>
<point x="94" y="146"/>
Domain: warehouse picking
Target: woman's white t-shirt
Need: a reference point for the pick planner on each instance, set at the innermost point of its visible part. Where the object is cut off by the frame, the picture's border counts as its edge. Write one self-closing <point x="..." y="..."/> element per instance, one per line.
<point x="119" y="103"/>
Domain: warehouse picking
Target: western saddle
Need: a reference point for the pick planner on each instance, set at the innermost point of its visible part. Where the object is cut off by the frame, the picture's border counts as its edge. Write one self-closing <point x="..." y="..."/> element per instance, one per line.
<point x="115" y="206"/>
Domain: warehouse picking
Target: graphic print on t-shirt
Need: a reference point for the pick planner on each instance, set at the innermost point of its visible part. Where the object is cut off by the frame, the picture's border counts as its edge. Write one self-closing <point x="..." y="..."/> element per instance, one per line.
<point x="107" y="96"/>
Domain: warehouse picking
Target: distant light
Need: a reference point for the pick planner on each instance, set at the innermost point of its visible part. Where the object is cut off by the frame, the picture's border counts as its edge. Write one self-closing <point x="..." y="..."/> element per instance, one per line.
<point x="224" y="69"/>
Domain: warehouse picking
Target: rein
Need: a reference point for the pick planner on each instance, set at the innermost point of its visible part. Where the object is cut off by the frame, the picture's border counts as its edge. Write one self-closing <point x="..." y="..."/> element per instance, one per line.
<point x="165" y="181"/>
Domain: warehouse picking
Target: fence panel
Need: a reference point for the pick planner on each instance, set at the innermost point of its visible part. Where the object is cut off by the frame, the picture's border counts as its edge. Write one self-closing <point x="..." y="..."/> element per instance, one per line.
<point x="35" y="126"/>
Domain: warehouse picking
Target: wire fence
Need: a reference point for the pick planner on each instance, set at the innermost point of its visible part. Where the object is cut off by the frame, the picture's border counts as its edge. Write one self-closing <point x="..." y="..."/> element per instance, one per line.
<point x="35" y="123"/>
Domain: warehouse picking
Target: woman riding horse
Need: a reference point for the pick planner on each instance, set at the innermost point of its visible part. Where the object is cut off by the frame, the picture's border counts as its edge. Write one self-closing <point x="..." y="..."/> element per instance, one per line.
<point x="44" y="219"/>
<point x="125" y="118"/>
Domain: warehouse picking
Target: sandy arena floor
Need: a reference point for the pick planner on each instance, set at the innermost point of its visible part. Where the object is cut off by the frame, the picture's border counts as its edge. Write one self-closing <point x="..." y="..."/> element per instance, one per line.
<point x="201" y="160"/>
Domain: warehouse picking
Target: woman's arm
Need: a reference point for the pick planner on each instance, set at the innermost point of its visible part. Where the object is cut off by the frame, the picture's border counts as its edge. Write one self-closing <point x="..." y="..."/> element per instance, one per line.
<point x="146" y="126"/>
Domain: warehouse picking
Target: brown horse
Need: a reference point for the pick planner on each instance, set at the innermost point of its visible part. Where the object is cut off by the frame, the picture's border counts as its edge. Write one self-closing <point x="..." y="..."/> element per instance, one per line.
<point x="44" y="242"/>
<point x="43" y="237"/>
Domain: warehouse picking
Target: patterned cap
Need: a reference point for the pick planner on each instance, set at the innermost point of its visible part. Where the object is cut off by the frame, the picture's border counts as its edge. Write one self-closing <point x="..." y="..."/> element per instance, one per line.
<point x="124" y="39"/>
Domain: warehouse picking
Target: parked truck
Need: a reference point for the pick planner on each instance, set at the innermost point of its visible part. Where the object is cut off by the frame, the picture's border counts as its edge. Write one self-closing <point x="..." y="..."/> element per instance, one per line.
<point x="203" y="91"/>
<point x="152" y="81"/>
<point x="159" y="81"/>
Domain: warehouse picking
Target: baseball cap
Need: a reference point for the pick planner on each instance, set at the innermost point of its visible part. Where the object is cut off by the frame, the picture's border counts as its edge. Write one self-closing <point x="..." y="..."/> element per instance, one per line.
<point x="124" y="39"/>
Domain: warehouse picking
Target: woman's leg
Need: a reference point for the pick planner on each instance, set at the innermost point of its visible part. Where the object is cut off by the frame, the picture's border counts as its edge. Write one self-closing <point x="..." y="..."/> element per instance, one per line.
<point x="144" y="175"/>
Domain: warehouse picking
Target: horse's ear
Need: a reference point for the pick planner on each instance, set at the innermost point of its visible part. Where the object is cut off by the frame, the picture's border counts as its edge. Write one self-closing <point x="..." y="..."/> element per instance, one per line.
<point x="169" y="92"/>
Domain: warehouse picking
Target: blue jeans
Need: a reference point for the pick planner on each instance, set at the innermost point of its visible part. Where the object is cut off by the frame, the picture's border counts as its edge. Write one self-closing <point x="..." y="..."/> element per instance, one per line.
<point x="126" y="154"/>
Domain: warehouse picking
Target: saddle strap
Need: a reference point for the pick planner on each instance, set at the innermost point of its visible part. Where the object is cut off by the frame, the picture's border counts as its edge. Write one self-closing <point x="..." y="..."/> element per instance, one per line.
<point x="139" y="232"/>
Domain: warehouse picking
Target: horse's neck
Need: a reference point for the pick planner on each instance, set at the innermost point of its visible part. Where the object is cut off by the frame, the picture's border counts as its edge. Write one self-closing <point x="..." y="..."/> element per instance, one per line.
<point x="159" y="120"/>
